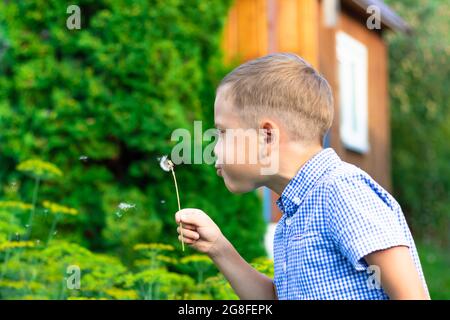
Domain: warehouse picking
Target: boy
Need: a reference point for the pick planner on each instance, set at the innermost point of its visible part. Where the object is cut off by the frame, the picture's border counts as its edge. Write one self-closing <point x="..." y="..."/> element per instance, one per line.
<point x="339" y="228"/>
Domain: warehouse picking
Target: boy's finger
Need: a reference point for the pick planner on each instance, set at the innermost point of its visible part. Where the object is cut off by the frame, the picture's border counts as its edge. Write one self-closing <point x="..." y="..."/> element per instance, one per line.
<point x="189" y="226"/>
<point x="186" y="240"/>
<point x="189" y="233"/>
<point x="189" y="216"/>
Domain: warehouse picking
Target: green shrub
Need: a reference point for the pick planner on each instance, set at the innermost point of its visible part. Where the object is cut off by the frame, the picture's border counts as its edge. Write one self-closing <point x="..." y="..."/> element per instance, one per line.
<point x="84" y="115"/>
<point x="101" y="103"/>
<point x="42" y="272"/>
<point x="35" y="269"/>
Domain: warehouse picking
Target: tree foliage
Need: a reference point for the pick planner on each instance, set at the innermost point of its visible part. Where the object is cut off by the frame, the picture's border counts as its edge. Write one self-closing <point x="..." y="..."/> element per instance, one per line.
<point x="419" y="82"/>
<point x="101" y="103"/>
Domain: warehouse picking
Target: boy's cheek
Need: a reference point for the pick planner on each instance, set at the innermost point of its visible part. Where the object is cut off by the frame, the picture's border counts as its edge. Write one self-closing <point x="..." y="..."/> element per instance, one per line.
<point x="236" y="157"/>
<point x="241" y="173"/>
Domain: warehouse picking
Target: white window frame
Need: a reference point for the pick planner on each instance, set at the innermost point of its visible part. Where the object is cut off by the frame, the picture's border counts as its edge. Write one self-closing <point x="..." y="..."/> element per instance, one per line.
<point x="352" y="61"/>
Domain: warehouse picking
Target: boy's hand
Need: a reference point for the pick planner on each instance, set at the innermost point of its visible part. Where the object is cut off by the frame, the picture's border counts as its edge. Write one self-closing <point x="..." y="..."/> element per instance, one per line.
<point x="199" y="231"/>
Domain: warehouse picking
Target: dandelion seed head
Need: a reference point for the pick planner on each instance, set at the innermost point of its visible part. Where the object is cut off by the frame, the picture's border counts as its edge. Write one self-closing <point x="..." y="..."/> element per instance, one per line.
<point x="165" y="163"/>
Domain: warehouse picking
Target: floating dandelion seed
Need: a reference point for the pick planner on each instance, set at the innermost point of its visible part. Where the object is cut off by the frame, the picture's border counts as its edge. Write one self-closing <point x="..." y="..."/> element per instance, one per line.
<point x="84" y="158"/>
<point x="167" y="165"/>
<point x="124" y="207"/>
<point x="163" y="201"/>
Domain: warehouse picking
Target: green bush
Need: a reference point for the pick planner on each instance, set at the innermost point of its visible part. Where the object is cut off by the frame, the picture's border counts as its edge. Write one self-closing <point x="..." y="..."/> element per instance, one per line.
<point x="36" y="264"/>
<point x="101" y="103"/>
<point x="34" y="269"/>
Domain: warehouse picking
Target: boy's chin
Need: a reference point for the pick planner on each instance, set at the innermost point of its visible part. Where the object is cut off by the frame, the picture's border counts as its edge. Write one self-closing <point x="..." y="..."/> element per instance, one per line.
<point x="238" y="188"/>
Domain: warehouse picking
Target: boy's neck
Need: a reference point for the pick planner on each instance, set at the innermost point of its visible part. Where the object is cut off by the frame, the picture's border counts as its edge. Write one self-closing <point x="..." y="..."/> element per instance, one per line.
<point x="292" y="158"/>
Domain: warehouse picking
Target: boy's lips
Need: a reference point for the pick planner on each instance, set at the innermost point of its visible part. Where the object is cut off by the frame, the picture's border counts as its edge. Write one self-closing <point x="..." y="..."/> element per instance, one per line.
<point x="219" y="171"/>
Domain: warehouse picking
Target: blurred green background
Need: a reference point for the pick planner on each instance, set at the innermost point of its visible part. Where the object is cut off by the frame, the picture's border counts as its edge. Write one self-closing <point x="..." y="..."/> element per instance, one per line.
<point x="85" y="114"/>
<point x="419" y="69"/>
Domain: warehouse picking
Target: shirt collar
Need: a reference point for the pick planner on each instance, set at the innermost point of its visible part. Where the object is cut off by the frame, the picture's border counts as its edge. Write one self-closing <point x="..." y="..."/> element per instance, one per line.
<point x="305" y="179"/>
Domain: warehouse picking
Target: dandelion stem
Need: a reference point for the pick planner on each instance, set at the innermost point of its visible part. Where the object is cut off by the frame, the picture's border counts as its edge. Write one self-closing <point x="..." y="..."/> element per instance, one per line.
<point x="179" y="207"/>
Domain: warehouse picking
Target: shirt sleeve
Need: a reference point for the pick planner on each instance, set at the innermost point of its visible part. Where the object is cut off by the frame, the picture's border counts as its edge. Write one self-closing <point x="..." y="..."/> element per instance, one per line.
<point x="362" y="219"/>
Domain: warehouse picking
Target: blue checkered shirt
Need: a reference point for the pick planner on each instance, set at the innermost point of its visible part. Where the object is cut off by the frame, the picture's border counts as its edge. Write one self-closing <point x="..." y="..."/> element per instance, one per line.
<point x="334" y="214"/>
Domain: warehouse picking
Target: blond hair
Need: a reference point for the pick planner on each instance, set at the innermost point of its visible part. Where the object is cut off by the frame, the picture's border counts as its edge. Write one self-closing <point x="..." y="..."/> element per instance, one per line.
<point x="286" y="86"/>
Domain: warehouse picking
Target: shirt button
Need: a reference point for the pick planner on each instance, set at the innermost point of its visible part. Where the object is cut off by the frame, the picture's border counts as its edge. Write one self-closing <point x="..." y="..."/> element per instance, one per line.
<point x="296" y="200"/>
<point x="288" y="221"/>
<point x="284" y="267"/>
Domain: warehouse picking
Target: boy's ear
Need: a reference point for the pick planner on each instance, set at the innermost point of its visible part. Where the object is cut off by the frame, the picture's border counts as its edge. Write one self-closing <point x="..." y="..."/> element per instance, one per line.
<point x="270" y="131"/>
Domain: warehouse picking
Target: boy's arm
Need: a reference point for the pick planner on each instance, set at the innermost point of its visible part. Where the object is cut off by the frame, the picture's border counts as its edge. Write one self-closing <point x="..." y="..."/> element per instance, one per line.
<point x="201" y="233"/>
<point x="247" y="282"/>
<point x="399" y="276"/>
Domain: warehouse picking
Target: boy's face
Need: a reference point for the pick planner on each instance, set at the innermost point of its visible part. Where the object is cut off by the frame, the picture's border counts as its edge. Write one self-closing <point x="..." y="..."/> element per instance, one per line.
<point x="237" y="148"/>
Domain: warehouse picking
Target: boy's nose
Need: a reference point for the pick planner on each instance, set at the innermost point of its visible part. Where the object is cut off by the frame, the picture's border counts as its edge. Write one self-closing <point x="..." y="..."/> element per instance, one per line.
<point x="218" y="153"/>
<point x="216" y="150"/>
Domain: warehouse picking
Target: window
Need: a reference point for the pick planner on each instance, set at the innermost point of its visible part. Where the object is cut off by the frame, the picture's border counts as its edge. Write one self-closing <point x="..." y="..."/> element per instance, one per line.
<point x="353" y="91"/>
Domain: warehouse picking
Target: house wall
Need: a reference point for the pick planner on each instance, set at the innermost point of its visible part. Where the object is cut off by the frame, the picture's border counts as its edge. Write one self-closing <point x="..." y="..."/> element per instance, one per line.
<point x="377" y="160"/>
<point x="257" y="27"/>
<point x="245" y="33"/>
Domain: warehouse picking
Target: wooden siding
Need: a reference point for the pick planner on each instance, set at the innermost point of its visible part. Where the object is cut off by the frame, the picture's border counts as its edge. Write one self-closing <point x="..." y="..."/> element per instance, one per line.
<point x="377" y="161"/>
<point x="257" y="27"/>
